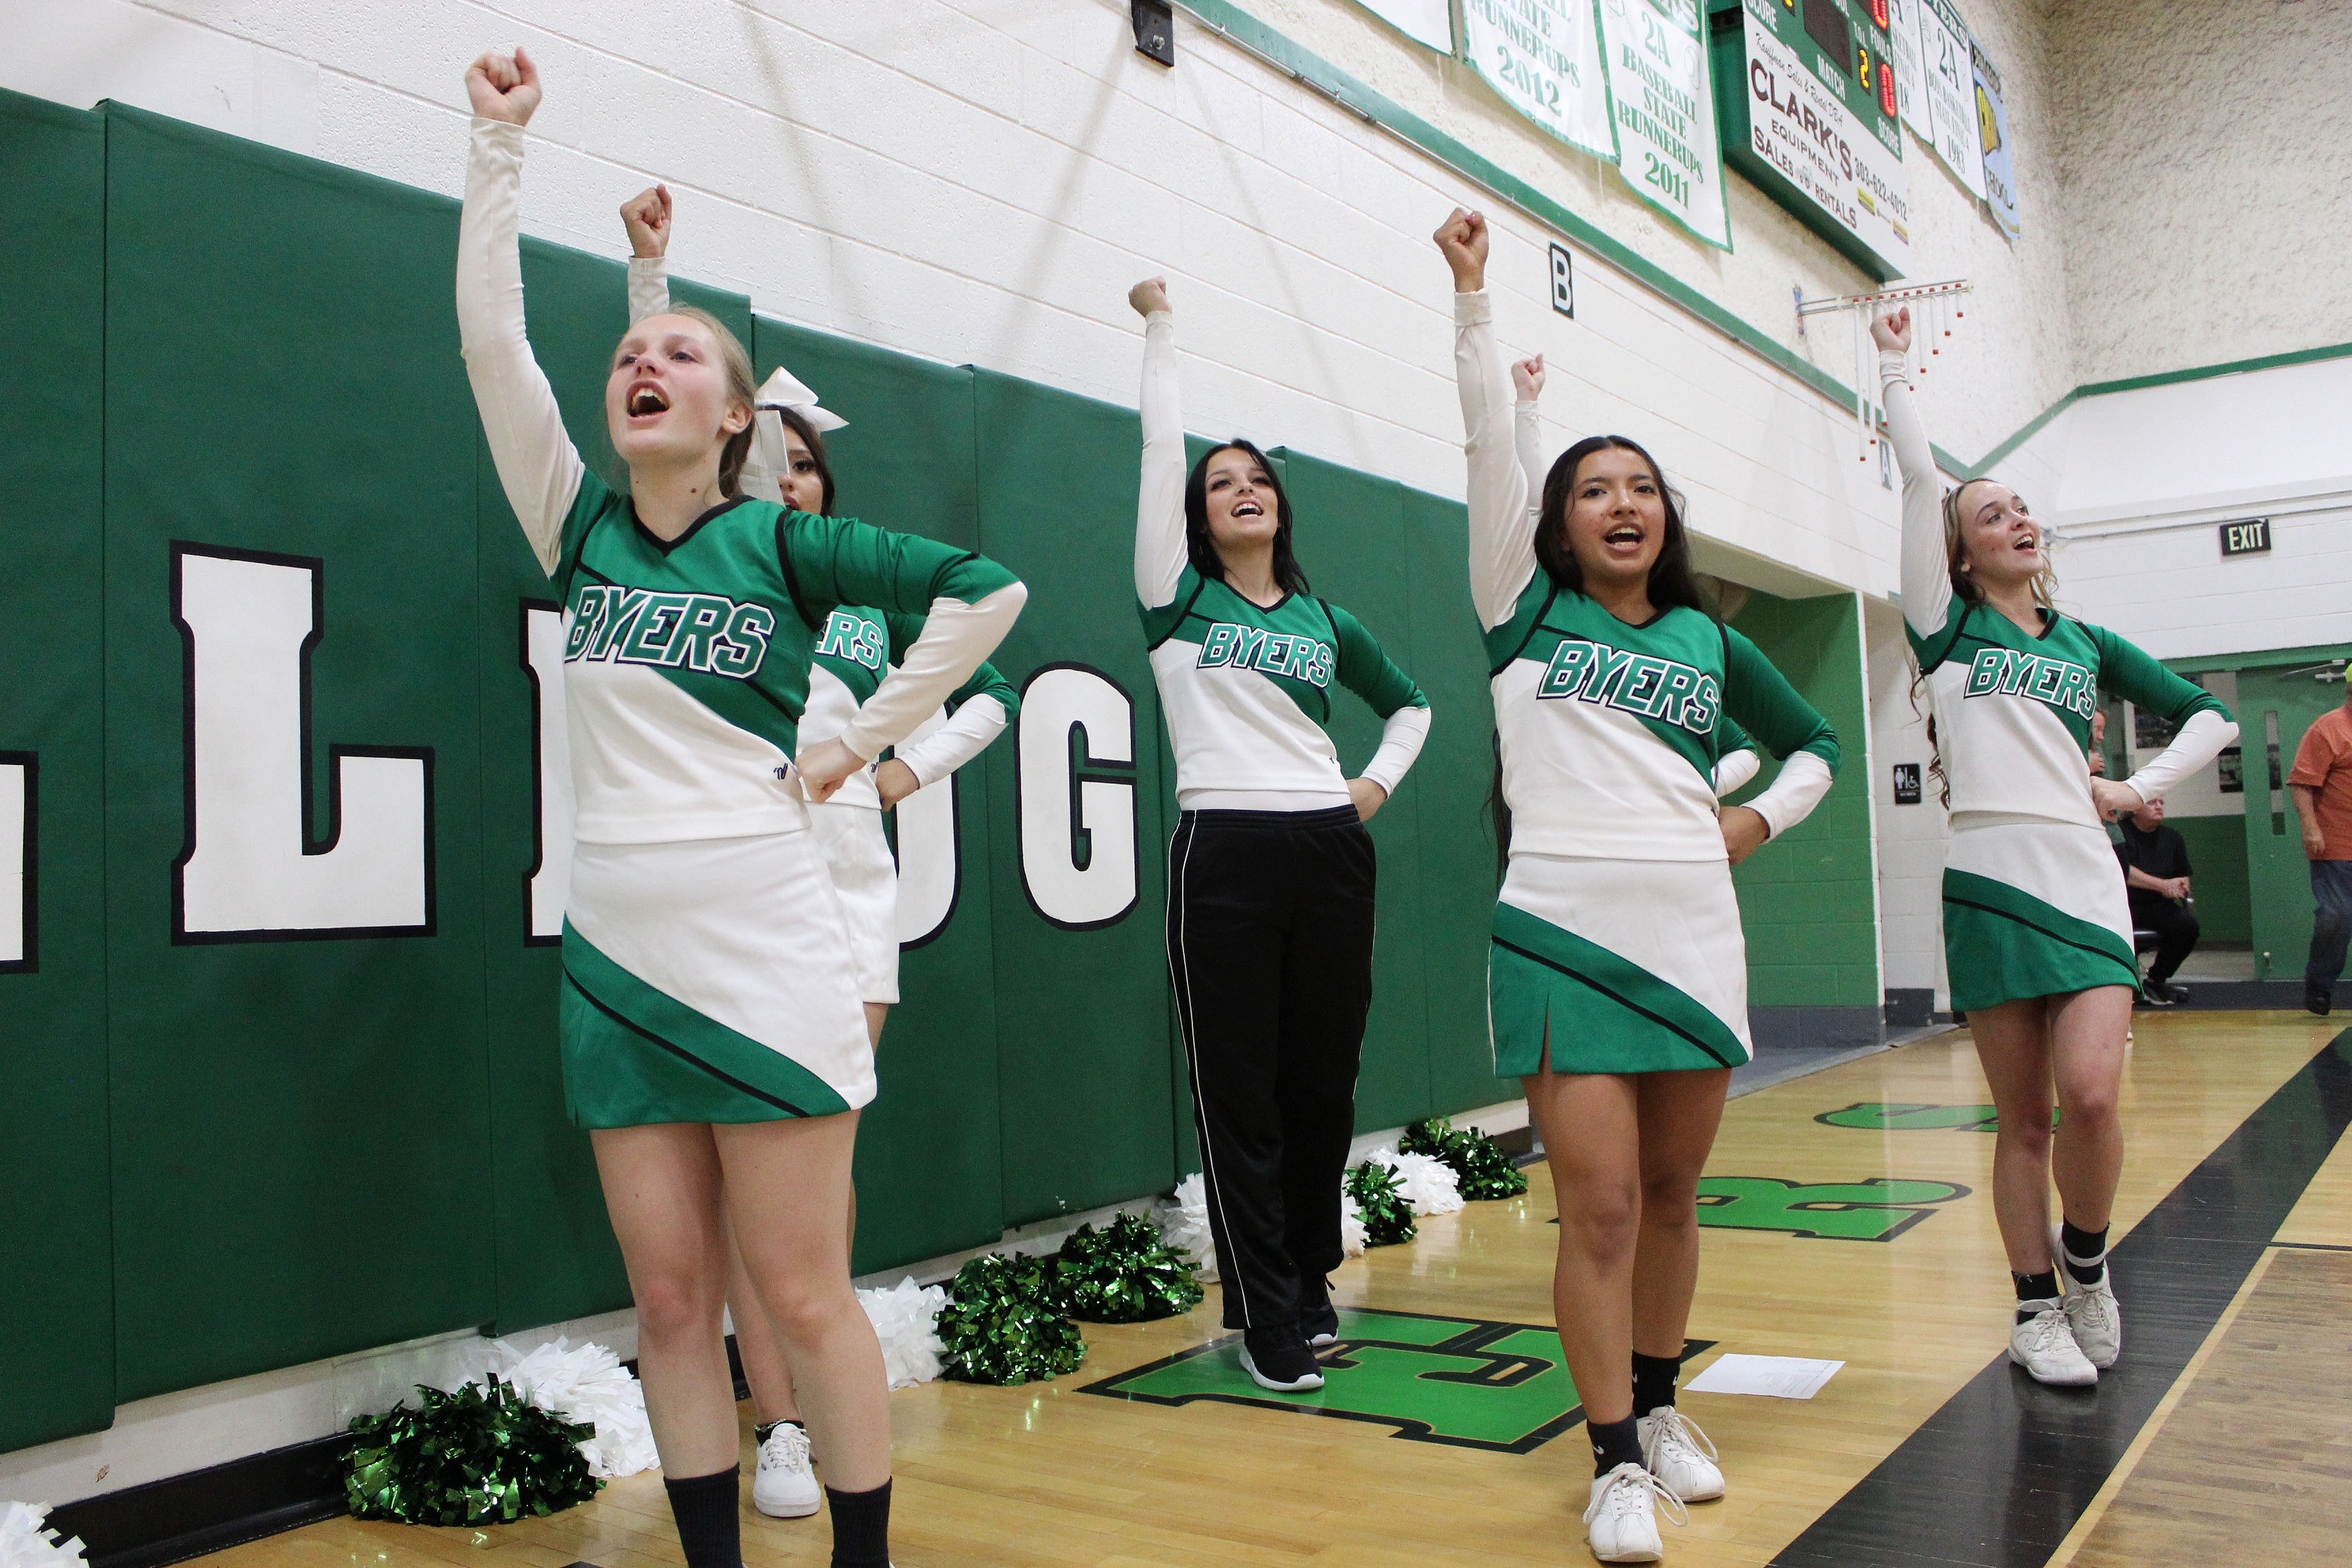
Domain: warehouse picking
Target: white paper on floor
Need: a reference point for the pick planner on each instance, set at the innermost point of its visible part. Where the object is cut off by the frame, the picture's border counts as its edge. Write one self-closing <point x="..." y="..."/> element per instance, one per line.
<point x="1780" y="1376"/>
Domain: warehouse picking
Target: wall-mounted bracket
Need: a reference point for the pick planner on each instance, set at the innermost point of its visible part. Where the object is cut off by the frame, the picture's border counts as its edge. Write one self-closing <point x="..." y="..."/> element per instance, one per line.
<point x="1155" y="30"/>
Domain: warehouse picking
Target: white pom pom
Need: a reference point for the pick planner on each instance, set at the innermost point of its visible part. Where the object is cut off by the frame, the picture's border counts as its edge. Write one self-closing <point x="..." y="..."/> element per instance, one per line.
<point x="1185" y="1224"/>
<point x="906" y="1318"/>
<point x="1430" y="1184"/>
<point x="25" y="1543"/>
<point x="588" y="1382"/>
<point x="1351" y="1226"/>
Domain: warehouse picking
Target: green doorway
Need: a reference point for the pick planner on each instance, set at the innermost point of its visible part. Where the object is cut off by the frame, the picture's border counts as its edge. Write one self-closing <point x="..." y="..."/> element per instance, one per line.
<point x="2276" y="706"/>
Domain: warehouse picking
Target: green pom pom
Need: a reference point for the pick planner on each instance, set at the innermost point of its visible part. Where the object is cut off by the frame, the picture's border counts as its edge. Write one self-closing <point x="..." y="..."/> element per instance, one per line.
<point x="1377" y="1189"/>
<point x="1485" y="1171"/>
<point x="1124" y="1274"/>
<point x="1003" y="1324"/>
<point x="475" y="1456"/>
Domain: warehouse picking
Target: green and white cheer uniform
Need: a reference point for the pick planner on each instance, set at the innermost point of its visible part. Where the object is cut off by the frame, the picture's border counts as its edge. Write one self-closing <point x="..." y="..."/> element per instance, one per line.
<point x="853" y="651"/>
<point x="1617" y="944"/>
<point x="852" y="654"/>
<point x="2033" y="906"/>
<point x="1246" y="688"/>
<point x="706" y="970"/>
<point x="1736" y="761"/>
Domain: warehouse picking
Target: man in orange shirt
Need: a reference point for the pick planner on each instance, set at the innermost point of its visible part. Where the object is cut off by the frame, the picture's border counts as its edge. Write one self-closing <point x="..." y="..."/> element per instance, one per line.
<point x="2321" y="784"/>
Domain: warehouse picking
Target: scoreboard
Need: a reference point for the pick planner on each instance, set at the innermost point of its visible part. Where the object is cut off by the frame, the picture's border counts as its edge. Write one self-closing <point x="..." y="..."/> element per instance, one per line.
<point x="1808" y="109"/>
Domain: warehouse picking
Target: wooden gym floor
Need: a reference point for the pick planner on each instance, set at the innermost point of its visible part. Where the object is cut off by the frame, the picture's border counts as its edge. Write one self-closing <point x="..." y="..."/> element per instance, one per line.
<point x="1851" y="1220"/>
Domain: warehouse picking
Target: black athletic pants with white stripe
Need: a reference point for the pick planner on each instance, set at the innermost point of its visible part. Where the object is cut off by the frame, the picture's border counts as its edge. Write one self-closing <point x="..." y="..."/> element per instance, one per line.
<point x="1270" y="949"/>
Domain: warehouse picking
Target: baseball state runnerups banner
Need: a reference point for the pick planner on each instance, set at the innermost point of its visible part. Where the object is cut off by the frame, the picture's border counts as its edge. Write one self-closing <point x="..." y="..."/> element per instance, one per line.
<point x="1427" y="22"/>
<point x="1807" y="96"/>
<point x="1950" y="116"/>
<point x="1663" y="103"/>
<point x="1993" y="139"/>
<point x="1543" y="58"/>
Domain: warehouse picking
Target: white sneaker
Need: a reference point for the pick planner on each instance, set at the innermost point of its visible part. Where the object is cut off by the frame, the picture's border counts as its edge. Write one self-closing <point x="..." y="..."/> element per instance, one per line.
<point x="785" y="1486"/>
<point x="2043" y="1345"/>
<point x="1620" y="1523"/>
<point x="1671" y="1444"/>
<point x="2091" y="1311"/>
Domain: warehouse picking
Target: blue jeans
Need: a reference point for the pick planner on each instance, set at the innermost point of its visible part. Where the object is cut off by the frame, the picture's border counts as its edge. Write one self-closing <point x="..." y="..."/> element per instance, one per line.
<point x="2331" y="926"/>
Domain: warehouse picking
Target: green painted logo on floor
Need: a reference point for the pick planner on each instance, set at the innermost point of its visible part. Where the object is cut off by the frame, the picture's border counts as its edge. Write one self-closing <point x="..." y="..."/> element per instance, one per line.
<point x="1877" y="1116"/>
<point x="1879" y="1209"/>
<point x="1458" y="1381"/>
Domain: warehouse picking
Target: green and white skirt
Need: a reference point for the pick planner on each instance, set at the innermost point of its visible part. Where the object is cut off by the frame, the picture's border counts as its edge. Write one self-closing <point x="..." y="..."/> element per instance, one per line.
<point x="1622" y="966"/>
<point x="2033" y="907"/>
<point x="708" y="981"/>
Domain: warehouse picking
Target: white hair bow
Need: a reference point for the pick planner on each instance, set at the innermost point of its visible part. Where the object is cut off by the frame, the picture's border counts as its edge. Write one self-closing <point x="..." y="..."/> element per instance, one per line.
<point x="770" y="459"/>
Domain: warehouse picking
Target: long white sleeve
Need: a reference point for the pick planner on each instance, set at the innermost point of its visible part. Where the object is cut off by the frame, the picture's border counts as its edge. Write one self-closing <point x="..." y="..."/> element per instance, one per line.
<point x="955" y="637"/>
<point x="1527" y="435"/>
<point x="2201" y="739"/>
<point x="1159" y="547"/>
<point x="1400" y="740"/>
<point x="1733" y="769"/>
<point x="648" y="286"/>
<point x="1927" y="572"/>
<point x="1502" y="545"/>
<point x="1804" y="778"/>
<point x="536" y="461"/>
<point x="967" y="733"/>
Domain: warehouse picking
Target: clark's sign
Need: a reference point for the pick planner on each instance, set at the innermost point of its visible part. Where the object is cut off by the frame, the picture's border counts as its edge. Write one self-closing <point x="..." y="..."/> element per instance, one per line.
<point x="1808" y="102"/>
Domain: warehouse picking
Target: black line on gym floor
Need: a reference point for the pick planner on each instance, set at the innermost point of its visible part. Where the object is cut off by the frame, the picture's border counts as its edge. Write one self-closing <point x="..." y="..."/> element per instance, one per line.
<point x="1999" y="1475"/>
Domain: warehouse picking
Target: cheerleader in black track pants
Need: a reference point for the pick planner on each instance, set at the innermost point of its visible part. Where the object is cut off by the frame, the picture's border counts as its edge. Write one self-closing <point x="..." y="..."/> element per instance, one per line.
<point x="1270" y="873"/>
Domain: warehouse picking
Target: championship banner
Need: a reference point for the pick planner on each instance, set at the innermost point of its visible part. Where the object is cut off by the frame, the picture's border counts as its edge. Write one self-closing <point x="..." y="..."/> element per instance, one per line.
<point x="1992" y="141"/>
<point x="1951" y="124"/>
<point x="1427" y="22"/>
<point x="1543" y="58"/>
<point x="1910" y="65"/>
<point x="1662" y="99"/>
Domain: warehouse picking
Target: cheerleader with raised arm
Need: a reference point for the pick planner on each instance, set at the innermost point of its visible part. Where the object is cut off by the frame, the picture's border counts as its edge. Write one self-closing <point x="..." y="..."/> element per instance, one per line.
<point x="713" y="1041"/>
<point x="1270" y="872"/>
<point x="1617" y="973"/>
<point x="2037" y="925"/>
<point x="788" y="464"/>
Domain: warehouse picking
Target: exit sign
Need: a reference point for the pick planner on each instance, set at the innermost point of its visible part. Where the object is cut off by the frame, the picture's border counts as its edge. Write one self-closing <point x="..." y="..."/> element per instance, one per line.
<point x="2252" y="537"/>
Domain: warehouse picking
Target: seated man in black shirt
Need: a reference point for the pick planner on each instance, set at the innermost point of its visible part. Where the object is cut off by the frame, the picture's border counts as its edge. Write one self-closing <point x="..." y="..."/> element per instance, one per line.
<point x="2156" y="868"/>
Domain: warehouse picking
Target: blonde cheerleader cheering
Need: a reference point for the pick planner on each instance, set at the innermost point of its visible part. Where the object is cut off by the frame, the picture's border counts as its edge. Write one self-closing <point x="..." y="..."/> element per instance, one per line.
<point x="713" y="1041"/>
<point x="2037" y="925"/>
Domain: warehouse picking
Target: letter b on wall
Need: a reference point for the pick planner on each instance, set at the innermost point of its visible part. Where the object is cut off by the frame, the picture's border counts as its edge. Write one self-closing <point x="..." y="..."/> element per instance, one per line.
<point x="257" y="867"/>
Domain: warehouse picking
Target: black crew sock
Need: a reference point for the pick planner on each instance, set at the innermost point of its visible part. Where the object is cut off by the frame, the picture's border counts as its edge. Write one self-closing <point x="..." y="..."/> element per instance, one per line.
<point x="764" y="1431"/>
<point x="708" y="1511"/>
<point x="1614" y="1443"/>
<point x="2034" y="1287"/>
<point x="861" y="1526"/>
<point x="2078" y="1245"/>
<point x="1654" y="1382"/>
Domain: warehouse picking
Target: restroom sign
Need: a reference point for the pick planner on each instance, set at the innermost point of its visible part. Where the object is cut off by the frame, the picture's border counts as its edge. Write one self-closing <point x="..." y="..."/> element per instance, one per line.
<point x="2251" y="536"/>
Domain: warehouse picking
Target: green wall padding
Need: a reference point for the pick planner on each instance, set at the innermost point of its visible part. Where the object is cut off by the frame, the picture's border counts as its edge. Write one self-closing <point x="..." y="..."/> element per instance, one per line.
<point x="1449" y="789"/>
<point x="1807" y="900"/>
<point x="301" y="1129"/>
<point x="1082" y="1016"/>
<point x="57" y="1289"/>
